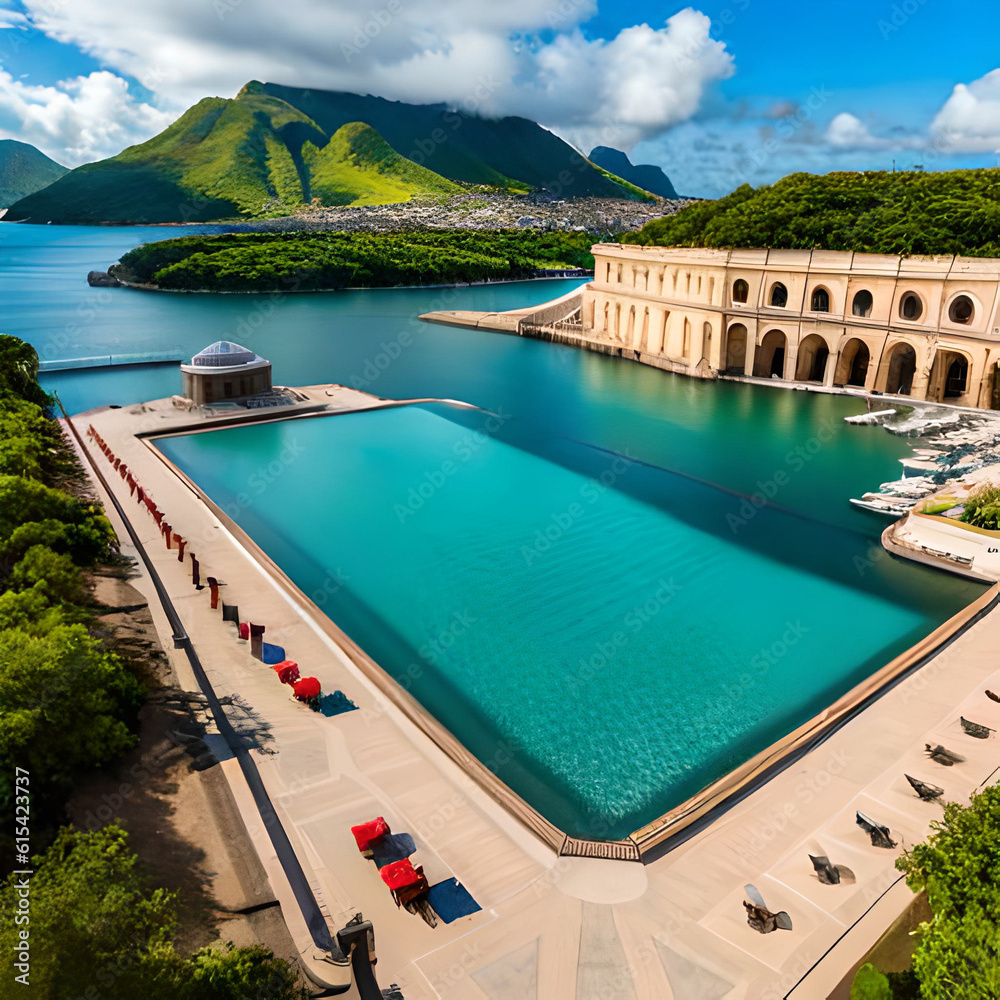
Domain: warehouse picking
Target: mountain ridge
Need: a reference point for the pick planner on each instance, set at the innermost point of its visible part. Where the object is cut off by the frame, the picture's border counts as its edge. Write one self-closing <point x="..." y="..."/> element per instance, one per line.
<point x="643" y="175"/>
<point x="24" y="169"/>
<point x="271" y="150"/>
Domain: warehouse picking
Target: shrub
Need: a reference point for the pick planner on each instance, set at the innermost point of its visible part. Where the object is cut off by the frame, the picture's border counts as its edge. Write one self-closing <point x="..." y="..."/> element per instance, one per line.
<point x="95" y="922"/>
<point x="64" y="706"/>
<point x="870" y="984"/>
<point x="958" y="956"/>
<point x="51" y="574"/>
<point x="982" y="508"/>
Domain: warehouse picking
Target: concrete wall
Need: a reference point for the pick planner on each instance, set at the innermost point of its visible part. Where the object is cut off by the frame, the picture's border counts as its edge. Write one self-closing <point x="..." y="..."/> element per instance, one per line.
<point x="931" y="329"/>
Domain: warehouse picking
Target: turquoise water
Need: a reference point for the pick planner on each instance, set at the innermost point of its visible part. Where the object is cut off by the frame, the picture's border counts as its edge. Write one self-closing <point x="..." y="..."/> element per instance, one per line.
<point x="599" y="748"/>
<point x="607" y="652"/>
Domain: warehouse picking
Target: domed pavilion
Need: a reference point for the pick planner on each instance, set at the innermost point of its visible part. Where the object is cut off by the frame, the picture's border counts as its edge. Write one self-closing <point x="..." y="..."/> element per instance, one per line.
<point x="225" y="371"/>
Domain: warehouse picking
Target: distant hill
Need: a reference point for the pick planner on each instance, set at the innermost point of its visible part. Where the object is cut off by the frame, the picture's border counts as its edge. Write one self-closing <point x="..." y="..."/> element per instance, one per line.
<point x="912" y="212"/>
<point x="646" y="176"/>
<point x="272" y="149"/>
<point x="24" y="170"/>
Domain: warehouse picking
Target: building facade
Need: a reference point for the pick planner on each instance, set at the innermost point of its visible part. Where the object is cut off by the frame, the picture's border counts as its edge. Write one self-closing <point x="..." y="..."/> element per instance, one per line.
<point x="927" y="327"/>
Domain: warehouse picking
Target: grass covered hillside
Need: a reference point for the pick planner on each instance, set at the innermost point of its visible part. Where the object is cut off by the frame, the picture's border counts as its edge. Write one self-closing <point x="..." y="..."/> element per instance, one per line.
<point x="358" y="167"/>
<point x="223" y="158"/>
<point x="252" y="262"/>
<point x="955" y="211"/>
<point x="24" y="170"/>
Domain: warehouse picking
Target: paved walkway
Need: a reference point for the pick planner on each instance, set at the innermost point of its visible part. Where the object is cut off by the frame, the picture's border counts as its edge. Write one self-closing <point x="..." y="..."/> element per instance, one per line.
<point x="550" y="927"/>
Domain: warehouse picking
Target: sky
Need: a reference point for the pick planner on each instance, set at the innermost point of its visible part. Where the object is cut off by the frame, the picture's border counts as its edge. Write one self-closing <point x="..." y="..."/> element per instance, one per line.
<point x="718" y="94"/>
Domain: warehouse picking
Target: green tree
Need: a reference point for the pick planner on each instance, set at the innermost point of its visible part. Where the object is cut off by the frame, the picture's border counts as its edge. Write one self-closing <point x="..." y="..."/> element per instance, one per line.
<point x="64" y="706"/>
<point x="89" y="535"/>
<point x="870" y="984"/>
<point x="19" y="370"/>
<point x="51" y="574"/>
<point x="958" y="957"/>
<point x="99" y="931"/>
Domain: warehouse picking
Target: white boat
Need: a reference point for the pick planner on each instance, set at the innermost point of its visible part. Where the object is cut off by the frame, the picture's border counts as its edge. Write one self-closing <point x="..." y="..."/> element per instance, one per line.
<point x="881" y="507"/>
<point x="872" y="417"/>
<point x="907" y="503"/>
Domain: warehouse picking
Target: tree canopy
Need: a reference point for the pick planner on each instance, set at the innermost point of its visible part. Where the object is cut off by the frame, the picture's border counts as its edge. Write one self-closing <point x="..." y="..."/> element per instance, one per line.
<point x="245" y="262"/>
<point x="96" y="923"/>
<point x="911" y="212"/>
<point x="958" y="955"/>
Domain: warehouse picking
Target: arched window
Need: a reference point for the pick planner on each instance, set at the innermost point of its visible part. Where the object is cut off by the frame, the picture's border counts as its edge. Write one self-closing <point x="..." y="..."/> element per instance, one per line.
<point x="863" y="303"/>
<point x="741" y="290"/>
<point x="820" y="300"/>
<point x="910" y="307"/>
<point x="779" y="295"/>
<point x="961" y="310"/>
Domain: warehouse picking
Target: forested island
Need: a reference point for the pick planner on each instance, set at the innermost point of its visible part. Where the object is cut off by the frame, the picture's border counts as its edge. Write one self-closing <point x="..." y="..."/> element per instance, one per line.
<point x="912" y="212"/>
<point x="256" y="262"/>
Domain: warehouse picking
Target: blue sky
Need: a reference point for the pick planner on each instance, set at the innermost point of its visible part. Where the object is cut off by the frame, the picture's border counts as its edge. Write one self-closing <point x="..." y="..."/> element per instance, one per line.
<point x="716" y="93"/>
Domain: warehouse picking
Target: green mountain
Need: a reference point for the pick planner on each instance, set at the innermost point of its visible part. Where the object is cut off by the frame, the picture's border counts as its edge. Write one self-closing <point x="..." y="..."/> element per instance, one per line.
<point x="24" y="170"/>
<point x="223" y="158"/>
<point x="911" y="212"/>
<point x="272" y="149"/>
<point x="506" y="152"/>
<point x="643" y="175"/>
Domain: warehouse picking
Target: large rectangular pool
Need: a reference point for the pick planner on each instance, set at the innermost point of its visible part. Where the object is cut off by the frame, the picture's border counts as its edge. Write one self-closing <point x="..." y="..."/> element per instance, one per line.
<point x="607" y="635"/>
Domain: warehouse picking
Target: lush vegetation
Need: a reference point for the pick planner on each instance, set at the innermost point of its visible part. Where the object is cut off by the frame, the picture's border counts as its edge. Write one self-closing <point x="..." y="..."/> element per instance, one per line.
<point x="271" y="150"/>
<point x="982" y="507"/>
<point x="955" y="211"/>
<point x="958" y="950"/>
<point x="246" y="262"/>
<point x="68" y="705"/>
<point x="958" y="866"/>
<point x="96" y="924"/>
<point x="24" y="170"/>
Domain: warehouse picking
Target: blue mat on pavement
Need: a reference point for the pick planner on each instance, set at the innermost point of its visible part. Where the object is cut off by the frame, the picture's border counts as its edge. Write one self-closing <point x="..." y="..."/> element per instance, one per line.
<point x="392" y="847"/>
<point x="451" y="900"/>
<point x="335" y="703"/>
<point x="271" y="654"/>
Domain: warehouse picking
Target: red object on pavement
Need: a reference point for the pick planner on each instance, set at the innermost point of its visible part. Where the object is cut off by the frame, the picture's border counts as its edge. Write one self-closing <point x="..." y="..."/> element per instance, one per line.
<point x="244" y="630"/>
<point x="287" y="671"/>
<point x="306" y="689"/>
<point x="368" y="834"/>
<point x="400" y="875"/>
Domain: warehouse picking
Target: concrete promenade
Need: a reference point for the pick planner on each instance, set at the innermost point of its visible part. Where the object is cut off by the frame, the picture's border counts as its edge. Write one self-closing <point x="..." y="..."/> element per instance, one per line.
<point x="551" y="927"/>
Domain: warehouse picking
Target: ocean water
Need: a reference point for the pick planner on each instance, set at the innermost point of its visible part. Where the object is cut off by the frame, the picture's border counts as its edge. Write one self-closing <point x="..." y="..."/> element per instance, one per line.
<point x="623" y="583"/>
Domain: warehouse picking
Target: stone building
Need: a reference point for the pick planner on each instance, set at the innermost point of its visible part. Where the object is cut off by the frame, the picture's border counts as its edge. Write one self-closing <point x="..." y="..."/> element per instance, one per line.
<point x="225" y="371"/>
<point x="926" y="327"/>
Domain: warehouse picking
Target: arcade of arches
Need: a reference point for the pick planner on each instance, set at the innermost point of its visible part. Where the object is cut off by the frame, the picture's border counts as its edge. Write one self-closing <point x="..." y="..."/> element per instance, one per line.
<point x="923" y="327"/>
<point x="851" y="365"/>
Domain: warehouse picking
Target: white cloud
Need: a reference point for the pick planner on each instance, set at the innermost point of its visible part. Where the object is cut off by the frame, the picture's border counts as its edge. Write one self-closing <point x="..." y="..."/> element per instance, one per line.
<point x="621" y="91"/>
<point x="969" y="121"/>
<point x="847" y="131"/>
<point x="77" y="120"/>
<point x="481" y="54"/>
